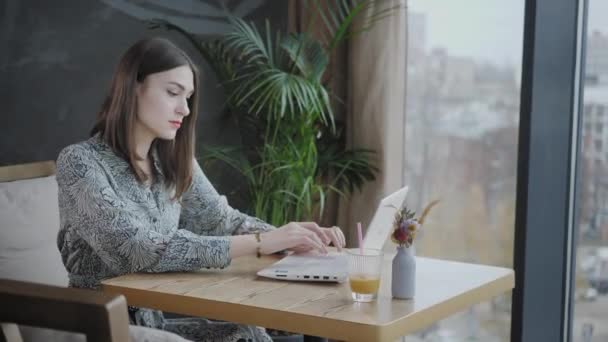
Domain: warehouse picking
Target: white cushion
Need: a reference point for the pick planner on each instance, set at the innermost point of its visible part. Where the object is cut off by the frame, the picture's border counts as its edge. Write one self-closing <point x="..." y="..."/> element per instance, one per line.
<point x="29" y="222"/>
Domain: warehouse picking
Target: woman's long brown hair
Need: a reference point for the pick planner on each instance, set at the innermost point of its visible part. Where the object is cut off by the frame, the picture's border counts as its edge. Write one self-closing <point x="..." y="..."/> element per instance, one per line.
<point x="116" y="119"/>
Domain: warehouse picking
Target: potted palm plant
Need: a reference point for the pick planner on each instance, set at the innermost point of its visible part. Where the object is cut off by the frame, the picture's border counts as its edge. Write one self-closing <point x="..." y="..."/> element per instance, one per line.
<point x="293" y="152"/>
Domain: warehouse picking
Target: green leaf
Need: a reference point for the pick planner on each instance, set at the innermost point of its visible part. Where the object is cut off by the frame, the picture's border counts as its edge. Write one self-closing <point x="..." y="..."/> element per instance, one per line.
<point x="307" y="55"/>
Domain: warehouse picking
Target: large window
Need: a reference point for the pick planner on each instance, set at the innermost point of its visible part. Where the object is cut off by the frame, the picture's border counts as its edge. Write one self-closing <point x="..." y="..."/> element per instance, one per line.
<point x="462" y="119"/>
<point x="591" y="272"/>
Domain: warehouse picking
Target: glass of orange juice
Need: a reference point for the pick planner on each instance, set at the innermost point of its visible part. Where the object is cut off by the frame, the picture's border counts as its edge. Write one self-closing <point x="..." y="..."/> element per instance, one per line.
<point x="364" y="270"/>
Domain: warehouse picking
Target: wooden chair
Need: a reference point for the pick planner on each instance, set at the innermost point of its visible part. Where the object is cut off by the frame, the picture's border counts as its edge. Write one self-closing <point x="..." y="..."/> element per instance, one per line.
<point x="101" y="317"/>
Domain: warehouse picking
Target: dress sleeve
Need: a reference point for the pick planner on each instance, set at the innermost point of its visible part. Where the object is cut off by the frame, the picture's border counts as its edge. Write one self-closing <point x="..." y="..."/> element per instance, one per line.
<point x="117" y="232"/>
<point x="206" y="212"/>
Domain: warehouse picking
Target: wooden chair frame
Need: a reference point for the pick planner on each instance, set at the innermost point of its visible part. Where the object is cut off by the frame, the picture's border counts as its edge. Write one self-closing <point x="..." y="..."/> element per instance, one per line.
<point x="101" y="317"/>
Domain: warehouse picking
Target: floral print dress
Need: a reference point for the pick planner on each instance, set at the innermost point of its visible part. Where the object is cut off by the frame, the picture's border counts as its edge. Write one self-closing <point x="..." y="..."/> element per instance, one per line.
<point x="111" y="224"/>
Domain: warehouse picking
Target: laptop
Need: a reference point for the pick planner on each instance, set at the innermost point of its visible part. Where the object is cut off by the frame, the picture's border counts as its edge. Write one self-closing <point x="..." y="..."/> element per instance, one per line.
<point x="333" y="267"/>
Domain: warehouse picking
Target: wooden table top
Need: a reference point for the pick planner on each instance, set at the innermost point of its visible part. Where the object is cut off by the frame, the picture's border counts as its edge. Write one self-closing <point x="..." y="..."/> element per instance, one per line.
<point x="237" y="294"/>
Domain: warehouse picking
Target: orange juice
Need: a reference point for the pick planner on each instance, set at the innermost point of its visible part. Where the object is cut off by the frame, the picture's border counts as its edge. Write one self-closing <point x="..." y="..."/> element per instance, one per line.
<point x="364" y="284"/>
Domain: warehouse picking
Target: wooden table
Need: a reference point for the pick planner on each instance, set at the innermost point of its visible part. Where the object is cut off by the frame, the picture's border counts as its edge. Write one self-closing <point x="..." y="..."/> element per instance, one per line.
<point x="236" y="294"/>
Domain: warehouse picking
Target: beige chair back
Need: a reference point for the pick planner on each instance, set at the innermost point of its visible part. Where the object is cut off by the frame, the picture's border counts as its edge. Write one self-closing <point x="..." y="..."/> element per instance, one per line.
<point x="26" y="171"/>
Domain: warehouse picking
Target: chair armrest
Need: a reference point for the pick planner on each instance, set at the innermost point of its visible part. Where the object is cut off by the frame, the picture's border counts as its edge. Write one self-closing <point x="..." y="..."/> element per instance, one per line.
<point x="100" y="316"/>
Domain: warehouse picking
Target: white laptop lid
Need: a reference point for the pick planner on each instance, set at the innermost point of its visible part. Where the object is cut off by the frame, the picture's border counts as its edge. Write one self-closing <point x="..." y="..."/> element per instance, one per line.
<point x="381" y="224"/>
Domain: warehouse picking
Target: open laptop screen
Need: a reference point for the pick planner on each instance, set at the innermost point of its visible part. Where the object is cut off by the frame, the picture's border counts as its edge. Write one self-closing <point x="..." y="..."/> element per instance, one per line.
<point x="381" y="225"/>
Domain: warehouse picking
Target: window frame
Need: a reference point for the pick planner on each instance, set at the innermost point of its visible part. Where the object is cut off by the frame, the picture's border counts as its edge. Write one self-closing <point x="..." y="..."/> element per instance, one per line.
<point x="548" y="146"/>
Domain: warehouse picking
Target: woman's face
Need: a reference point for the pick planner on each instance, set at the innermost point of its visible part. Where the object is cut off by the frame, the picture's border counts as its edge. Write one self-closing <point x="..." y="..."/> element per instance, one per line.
<point x="162" y="102"/>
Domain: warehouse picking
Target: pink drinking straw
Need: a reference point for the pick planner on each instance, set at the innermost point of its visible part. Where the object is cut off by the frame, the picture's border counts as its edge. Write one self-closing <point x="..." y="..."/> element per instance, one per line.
<point x="360" y="236"/>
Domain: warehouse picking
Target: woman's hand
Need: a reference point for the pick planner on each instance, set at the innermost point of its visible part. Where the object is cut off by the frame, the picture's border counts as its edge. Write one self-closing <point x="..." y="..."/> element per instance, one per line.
<point x="332" y="235"/>
<point x="301" y="237"/>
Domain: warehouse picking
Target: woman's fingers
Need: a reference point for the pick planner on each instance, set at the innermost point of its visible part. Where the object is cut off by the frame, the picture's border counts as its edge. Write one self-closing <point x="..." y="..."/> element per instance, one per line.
<point x="304" y="236"/>
<point x="327" y="235"/>
<point x="301" y="249"/>
<point x="312" y="226"/>
<point x="309" y="235"/>
<point x="340" y="236"/>
<point x="335" y="239"/>
<point x="314" y="241"/>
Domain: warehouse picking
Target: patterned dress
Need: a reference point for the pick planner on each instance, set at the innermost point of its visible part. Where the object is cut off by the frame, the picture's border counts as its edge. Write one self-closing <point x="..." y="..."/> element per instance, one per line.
<point x="113" y="225"/>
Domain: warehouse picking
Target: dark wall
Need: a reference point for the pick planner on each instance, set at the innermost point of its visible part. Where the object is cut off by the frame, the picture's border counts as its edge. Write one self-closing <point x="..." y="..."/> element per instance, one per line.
<point x="57" y="59"/>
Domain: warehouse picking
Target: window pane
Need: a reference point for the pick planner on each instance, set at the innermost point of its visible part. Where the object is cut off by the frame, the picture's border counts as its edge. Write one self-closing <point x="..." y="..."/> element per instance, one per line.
<point x="464" y="66"/>
<point x="591" y="273"/>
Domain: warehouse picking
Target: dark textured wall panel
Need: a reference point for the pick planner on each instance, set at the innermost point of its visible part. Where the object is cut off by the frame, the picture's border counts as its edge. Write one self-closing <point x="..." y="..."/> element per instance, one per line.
<point x="57" y="58"/>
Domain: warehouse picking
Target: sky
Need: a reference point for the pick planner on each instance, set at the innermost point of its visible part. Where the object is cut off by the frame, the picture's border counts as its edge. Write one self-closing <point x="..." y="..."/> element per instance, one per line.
<point x="486" y="29"/>
<point x="597" y="15"/>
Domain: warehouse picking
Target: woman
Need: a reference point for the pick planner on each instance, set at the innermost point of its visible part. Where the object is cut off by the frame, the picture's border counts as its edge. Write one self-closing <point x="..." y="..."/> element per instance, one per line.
<point x="132" y="198"/>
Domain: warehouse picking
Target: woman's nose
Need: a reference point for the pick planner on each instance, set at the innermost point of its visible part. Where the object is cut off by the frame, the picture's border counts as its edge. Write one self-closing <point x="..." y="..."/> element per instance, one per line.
<point x="183" y="109"/>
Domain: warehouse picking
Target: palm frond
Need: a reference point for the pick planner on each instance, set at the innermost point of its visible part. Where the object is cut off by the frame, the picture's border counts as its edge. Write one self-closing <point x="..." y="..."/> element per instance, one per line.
<point x="246" y="39"/>
<point x="307" y="55"/>
<point x="277" y="93"/>
<point x="339" y="17"/>
<point x="349" y="169"/>
<point x="231" y="156"/>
